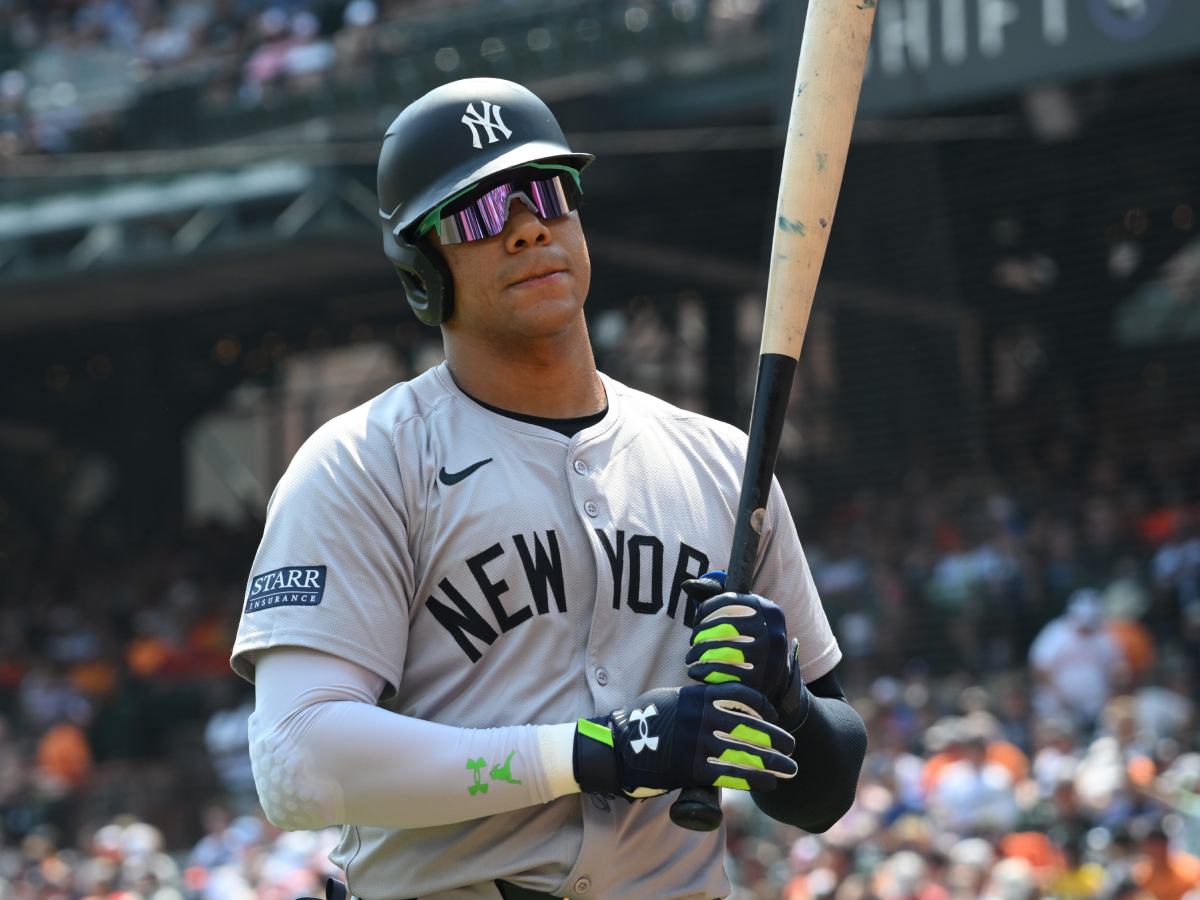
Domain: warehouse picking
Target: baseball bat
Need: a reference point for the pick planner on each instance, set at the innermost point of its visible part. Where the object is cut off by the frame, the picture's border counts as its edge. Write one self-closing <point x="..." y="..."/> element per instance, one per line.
<point x="828" y="81"/>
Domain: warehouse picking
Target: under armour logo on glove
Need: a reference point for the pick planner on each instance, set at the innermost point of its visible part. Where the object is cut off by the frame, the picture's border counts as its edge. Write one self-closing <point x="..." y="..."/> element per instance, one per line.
<point x="490" y="120"/>
<point x="640" y="716"/>
<point x="721" y="735"/>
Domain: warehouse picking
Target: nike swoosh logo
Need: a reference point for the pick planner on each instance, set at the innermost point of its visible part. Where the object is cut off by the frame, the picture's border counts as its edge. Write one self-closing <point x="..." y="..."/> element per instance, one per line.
<point x="448" y="478"/>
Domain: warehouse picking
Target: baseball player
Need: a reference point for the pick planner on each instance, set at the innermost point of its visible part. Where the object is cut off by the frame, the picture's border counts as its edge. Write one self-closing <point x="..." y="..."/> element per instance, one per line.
<point x="476" y="624"/>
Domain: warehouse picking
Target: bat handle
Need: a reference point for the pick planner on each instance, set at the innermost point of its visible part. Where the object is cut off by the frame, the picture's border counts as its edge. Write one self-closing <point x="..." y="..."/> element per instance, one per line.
<point x="697" y="808"/>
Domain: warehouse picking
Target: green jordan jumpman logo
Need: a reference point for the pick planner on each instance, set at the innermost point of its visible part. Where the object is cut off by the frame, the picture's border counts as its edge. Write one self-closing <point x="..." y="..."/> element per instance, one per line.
<point x="504" y="772"/>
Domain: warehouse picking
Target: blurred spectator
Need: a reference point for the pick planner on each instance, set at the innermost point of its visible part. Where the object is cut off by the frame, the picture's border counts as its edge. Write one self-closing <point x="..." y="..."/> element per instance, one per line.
<point x="226" y="737"/>
<point x="1079" y="878"/>
<point x="905" y="876"/>
<point x="46" y="696"/>
<point x="970" y="861"/>
<point x="64" y="759"/>
<point x="973" y="795"/>
<point x="354" y="43"/>
<point x="1125" y="602"/>
<point x="1037" y="850"/>
<point x="14" y="115"/>
<point x="1164" y="873"/>
<point x="955" y="739"/>
<point x="970" y="584"/>
<point x="1176" y="572"/>
<point x="1056" y="754"/>
<point x="1165" y="710"/>
<point x="164" y="43"/>
<point x="267" y="64"/>
<point x="1011" y="879"/>
<point x="1178" y="788"/>
<point x="310" y="57"/>
<point x="1011" y="702"/>
<point x="1076" y="662"/>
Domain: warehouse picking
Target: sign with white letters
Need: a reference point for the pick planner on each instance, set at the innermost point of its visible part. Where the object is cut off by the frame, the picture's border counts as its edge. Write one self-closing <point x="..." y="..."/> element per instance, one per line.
<point x="930" y="53"/>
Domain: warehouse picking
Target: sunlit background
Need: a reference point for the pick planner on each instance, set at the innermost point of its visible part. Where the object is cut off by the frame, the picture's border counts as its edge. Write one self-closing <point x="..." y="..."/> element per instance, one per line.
<point x="998" y="403"/>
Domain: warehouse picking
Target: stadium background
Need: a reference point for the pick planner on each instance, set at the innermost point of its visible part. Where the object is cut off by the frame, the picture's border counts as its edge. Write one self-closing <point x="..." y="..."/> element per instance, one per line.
<point x="999" y="400"/>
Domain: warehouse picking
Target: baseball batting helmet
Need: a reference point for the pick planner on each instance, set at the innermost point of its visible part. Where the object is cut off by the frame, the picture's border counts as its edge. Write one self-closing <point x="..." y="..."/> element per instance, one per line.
<point x="454" y="136"/>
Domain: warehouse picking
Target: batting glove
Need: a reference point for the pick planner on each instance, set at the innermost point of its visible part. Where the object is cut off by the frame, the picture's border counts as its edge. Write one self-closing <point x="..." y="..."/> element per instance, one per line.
<point x="696" y="736"/>
<point x="743" y="638"/>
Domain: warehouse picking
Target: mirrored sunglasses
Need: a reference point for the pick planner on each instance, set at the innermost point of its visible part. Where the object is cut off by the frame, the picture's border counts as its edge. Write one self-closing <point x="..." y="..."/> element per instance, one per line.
<point x="473" y="215"/>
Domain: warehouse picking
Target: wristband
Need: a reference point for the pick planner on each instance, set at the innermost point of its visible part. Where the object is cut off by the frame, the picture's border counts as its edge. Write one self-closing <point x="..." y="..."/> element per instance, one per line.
<point x="595" y="759"/>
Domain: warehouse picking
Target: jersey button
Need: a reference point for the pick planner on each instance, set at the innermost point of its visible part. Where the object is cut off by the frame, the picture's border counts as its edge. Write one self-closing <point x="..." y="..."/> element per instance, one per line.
<point x="602" y="676"/>
<point x="591" y="509"/>
<point x="583" y="885"/>
<point x="581" y="467"/>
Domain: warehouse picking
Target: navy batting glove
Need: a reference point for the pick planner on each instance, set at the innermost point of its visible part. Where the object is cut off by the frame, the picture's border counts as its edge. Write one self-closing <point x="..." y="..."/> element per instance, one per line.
<point x="671" y="738"/>
<point x="743" y="638"/>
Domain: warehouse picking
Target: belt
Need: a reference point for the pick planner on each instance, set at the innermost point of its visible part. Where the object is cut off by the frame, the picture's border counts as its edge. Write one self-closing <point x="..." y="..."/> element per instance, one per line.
<point x="510" y="891"/>
<point x="336" y="890"/>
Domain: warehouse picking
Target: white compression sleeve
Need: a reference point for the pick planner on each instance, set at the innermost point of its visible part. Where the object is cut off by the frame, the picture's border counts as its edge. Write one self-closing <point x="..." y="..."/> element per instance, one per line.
<point x="323" y="753"/>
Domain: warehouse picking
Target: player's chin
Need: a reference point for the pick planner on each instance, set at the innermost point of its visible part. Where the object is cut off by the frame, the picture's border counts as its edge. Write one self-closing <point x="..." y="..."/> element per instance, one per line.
<point x="547" y="300"/>
<point x="545" y="319"/>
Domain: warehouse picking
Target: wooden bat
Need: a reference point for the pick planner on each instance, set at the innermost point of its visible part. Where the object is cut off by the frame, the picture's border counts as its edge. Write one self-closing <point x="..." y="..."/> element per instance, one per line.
<point x="828" y="81"/>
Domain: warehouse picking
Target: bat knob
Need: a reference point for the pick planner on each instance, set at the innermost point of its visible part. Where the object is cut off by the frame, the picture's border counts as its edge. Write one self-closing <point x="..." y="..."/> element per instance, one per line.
<point x="698" y="809"/>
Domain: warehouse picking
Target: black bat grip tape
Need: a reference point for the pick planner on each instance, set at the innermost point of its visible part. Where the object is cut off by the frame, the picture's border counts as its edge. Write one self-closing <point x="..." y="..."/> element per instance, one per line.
<point x="700" y="808"/>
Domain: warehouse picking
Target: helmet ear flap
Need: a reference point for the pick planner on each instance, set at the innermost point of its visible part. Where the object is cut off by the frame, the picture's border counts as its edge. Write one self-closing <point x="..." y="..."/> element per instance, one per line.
<point x="428" y="284"/>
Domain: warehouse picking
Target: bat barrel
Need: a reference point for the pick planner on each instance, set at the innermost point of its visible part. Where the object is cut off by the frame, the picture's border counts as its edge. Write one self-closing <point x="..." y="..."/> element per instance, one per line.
<point x="828" y="82"/>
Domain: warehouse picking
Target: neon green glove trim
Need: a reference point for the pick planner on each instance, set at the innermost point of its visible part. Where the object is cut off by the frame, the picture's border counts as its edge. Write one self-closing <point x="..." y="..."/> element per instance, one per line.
<point x="719" y="678"/>
<point x="723" y="655"/>
<point x="722" y="632"/>
<point x="742" y="758"/>
<point x="590" y="729"/>
<point x="728" y="781"/>
<point x="751" y="736"/>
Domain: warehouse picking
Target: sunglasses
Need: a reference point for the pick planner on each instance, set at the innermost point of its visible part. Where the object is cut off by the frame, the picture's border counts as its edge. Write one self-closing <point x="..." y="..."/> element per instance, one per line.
<point x="479" y="212"/>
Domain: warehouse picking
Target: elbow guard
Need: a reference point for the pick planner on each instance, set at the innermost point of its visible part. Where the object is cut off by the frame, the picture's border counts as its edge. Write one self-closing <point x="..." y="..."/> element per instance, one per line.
<point x="293" y="796"/>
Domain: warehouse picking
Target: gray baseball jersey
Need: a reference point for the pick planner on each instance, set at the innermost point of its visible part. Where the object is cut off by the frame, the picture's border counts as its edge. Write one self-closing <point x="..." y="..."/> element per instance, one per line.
<point x="495" y="572"/>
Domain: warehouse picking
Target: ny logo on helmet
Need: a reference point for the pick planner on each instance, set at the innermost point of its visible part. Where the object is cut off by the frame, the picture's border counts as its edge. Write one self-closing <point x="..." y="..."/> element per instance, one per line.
<point x="490" y="120"/>
<point x="640" y="716"/>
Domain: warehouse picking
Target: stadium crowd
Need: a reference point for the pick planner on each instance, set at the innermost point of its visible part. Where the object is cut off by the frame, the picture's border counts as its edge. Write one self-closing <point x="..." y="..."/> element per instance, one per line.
<point x="71" y="66"/>
<point x="1022" y="648"/>
<point x="71" y="71"/>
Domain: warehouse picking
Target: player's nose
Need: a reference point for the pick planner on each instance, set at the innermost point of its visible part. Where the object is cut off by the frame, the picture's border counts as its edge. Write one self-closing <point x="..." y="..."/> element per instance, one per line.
<point x="524" y="229"/>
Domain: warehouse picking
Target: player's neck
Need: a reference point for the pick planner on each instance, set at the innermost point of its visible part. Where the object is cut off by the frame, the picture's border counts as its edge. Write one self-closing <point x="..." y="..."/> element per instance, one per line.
<point x="553" y="381"/>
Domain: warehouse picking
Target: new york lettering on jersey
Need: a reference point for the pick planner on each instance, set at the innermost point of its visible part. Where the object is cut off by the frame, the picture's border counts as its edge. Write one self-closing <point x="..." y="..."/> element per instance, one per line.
<point x="474" y="612"/>
<point x="580" y="540"/>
